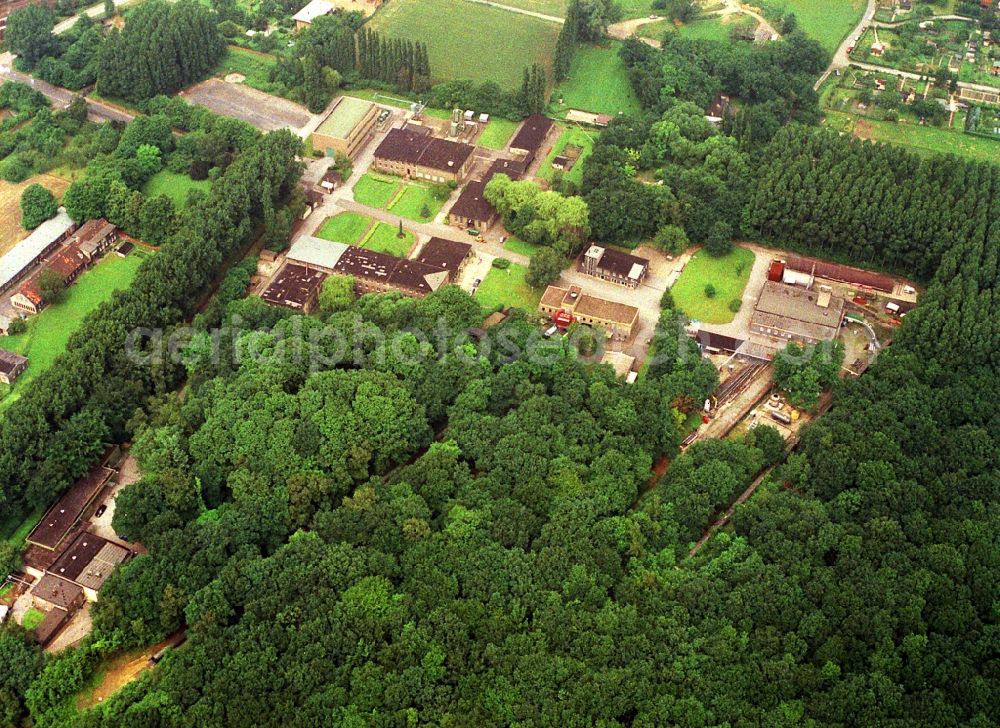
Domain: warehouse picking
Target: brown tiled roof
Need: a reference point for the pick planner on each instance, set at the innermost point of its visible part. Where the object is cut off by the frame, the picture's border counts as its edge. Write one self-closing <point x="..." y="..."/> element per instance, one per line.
<point x="9" y="361"/>
<point x="69" y="261"/>
<point x="57" y="591"/>
<point x="66" y="511"/>
<point x="472" y="203"/>
<point x="390" y="270"/>
<point x="294" y="287"/>
<point x="418" y="147"/>
<point x="605" y="310"/>
<point x="92" y="233"/>
<point x="618" y="262"/>
<point x="444" y="254"/>
<point x="553" y="297"/>
<point x="89" y="560"/>
<point x="513" y="168"/>
<point x="30" y="291"/>
<point x="532" y="133"/>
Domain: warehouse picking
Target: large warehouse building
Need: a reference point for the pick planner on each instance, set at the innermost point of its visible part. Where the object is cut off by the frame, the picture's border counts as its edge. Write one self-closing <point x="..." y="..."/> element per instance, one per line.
<point x="789" y="313"/>
<point x="346" y="128"/>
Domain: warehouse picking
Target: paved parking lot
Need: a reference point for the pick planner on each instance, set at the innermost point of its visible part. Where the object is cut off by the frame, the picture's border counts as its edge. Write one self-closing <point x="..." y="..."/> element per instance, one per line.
<point x="262" y="110"/>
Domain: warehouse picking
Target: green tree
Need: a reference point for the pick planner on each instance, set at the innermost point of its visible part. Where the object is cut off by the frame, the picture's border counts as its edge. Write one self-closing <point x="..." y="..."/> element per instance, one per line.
<point x="29" y="33"/>
<point x="545" y="267"/>
<point x="671" y="239"/>
<point x="37" y="205"/>
<point x="336" y="294"/>
<point x="51" y="286"/>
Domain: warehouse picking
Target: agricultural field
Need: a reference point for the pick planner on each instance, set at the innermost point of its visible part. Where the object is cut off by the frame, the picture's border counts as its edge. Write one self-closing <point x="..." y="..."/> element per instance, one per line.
<point x="49" y="331"/>
<point x="828" y="21"/>
<point x="728" y="275"/>
<point x="555" y="8"/>
<point x="482" y="43"/>
<point x="345" y="227"/>
<point x="923" y="140"/>
<point x="577" y="137"/>
<point x="375" y="190"/>
<point x="497" y="133"/>
<point x="173" y="185"/>
<point x="11" y="231"/>
<point x="507" y="288"/>
<point x="414" y="200"/>
<point x="597" y="83"/>
<point x="385" y="238"/>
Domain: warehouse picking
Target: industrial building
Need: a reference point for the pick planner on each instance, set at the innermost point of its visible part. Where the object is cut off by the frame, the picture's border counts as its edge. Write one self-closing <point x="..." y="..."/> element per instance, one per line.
<point x="296" y="287"/>
<point x="785" y="313"/>
<point x="472" y="209"/>
<point x="315" y="9"/>
<point x="19" y="260"/>
<point x="413" y="152"/>
<point x="531" y="136"/>
<point x="376" y="272"/>
<point x="347" y="127"/>
<point x="316" y="253"/>
<point x="450" y="255"/>
<point x="11" y="366"/>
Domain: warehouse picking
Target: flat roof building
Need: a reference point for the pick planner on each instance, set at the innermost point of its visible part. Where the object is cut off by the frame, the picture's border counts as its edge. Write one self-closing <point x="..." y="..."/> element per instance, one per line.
<point x="614" y="265"/>
<point x="316" y="253"/>
<point x="11" y="366"/>
<point x="347" y="128"/>
<point x="788" y="313"/>
<point x="619" y="320"/>
<point x="89" y="561"/>
<point x="60" y="593"/>
<point x="621" y="362"/>
<point x="296" y="287"/>
<point x="65" y="512"/>
<point x="841" y="273"/>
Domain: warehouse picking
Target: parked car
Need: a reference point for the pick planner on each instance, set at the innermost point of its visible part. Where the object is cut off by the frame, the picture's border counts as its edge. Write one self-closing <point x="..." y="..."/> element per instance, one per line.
<point x="100" y="510"/>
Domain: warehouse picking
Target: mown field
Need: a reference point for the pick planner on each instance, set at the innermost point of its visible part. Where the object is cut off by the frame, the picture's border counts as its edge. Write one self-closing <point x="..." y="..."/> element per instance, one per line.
<point x="49" y="331"/>
<point x="497" y="133"/>
<point x="466" y="40"/>
<point x="345" y="227"/>
<point x="828" y="21"/>
<point x="710" y="28"/>
<point x="11" y="231"/>
<point x="507" y="288"/>
<point x="256" y="67"/>
<point x="385" y="239"/>
<point x="597" y="83"/>
<point x="727" y="274"/>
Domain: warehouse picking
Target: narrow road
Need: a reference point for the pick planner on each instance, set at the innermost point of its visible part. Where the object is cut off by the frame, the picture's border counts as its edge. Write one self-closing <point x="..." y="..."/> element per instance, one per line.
<point x="897" y="23"/>
<point x="522" y="11"/>
<point x="840" y="57"/>
<point x="627" y="28"/>
<point x="917" y="76"/>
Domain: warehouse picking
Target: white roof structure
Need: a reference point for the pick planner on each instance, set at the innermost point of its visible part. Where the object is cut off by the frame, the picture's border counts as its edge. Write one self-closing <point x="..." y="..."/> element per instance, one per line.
<point x="315" y="9"/>
<point x="316" y="252"/>
<point x="635" y="273"/>
<point x="19" y="257"/>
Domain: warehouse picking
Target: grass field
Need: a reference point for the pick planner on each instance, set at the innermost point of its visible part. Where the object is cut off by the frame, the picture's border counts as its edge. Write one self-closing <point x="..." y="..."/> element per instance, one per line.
<point x="507" y="288"/>
<point x="256" y="67"/>
<point x="374" y="190"/>
<point x="411" y="200"/>
<point x="729" y="275"/>
<point x="470" y="41"/>
<point x="828" y="21"/>
<point x="710" y="28"/>
<point x="515" y="245"/>
<point x="32" y="618"/>
<point x="383" y="239"/>
<point x="173" y="185"/>
<point x="15" y="528"/>
<point x="555" y="8"/>
<point x="497" y="133"/>
<point x="577" y="137"/>
<point x="11" y="231"/>
<point x="923" y="140"/>
<point x="596" y="83"/>
<point x="345" y="227"/>
<point x="49" y="331"/>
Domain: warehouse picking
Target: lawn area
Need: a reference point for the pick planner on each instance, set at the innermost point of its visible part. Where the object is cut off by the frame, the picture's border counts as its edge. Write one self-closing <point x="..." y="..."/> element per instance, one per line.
<point x="411" y="201"/>
<point x="597" y="83"/>
<point x="728" y="274"/>
<point x="497" y="133"/>
<point x="507" y="288"/>
<point x="471" y="41"/>
<point x="49" y="331"/>
<point x="255" y="66"/>
<point x="173" y="185"/>
<point x="711" y="28"/>
<point x="577" y="137"/>
<point x="374" y="190"/>
<point x="556" y="8"/>
<point x="923" y="140"/>
<point x="515" y="245"/>
<point x="32" y="618"/>
<point x="345" y="227"/>
<point x="828" y="21"/>
<point x="384" y="238"/>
